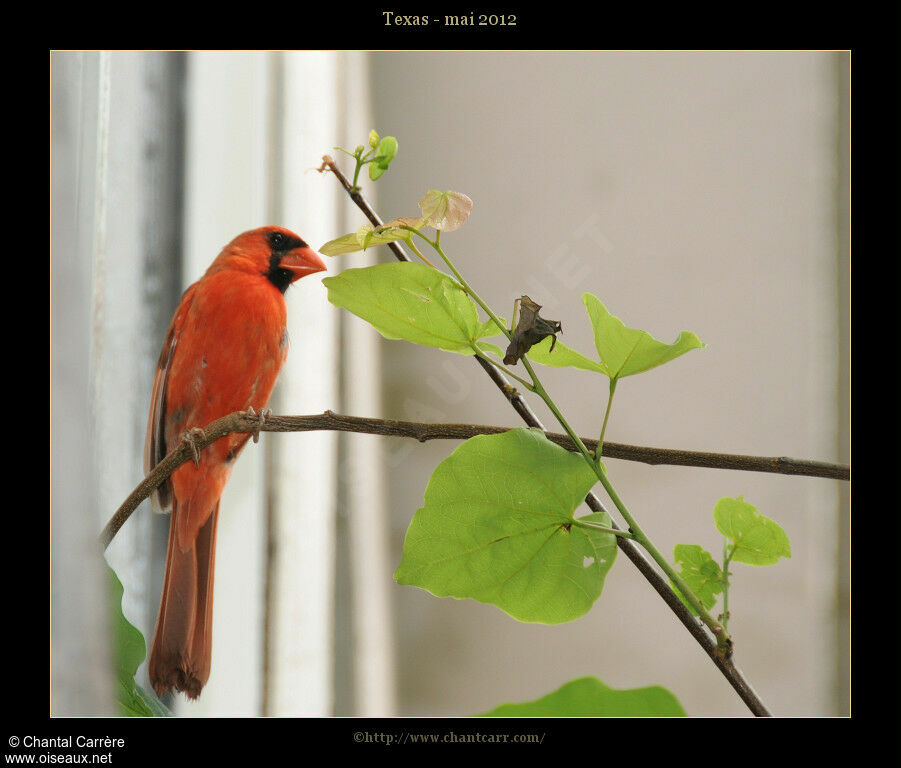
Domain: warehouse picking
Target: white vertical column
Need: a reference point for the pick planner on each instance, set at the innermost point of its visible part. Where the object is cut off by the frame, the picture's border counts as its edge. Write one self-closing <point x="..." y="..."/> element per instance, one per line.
<point x="81" y="681"/>
<point x="256" y="134"/>
<point x="225" y="194"/>
<point x="301" y="645"/>
<point x="364" y="473"/>
<point x="119" y="375"/>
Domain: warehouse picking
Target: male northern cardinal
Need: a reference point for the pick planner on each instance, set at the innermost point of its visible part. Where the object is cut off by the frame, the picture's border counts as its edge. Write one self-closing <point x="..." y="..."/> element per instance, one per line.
<point x="222" y="353"/>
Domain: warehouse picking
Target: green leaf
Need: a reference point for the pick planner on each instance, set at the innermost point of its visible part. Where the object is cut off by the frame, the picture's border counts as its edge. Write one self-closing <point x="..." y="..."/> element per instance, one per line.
<point x="562" y="357"/>
<point x="129" y="649"/>
<point x="446" y="211"/>
<point x="487" y="329"/>
<point x="488" y="347"/>
<point x="701" y="574"/>
<point x="151" y="702"/>
<point x="128" y="701"/>
<point x="127" y="639"/>
<point x="387" y="149"/>
<point x="758" y="540"/>
<point x="497" y="526"/>
<point x="627" y="351"/>
<point x="344" y="244"/>
<point x="589" y="697"/>
<point x="385" y="153"/>
<point x="367" y="236"/>
<point x="411" y="301"/>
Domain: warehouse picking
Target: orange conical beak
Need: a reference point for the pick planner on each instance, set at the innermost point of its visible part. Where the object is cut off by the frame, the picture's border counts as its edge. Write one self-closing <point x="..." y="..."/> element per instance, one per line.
<point x="302" y="261"/>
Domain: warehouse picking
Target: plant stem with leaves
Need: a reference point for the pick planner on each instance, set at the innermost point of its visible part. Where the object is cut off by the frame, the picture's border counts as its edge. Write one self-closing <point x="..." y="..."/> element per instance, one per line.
<point x="724" y="642"/>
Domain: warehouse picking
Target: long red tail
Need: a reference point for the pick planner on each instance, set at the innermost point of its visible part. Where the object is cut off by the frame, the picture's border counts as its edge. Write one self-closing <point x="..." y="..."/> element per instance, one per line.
<point x="181" y="651"/>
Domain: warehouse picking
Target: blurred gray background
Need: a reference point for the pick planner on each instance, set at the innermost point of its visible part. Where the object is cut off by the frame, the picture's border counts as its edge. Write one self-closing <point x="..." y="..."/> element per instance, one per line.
<point x="705" y="191"/>
<point x="700" y="191"/>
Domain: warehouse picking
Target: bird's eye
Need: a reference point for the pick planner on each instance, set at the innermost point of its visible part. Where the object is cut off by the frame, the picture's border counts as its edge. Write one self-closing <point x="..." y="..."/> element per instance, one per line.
<point x="277" y="240"/>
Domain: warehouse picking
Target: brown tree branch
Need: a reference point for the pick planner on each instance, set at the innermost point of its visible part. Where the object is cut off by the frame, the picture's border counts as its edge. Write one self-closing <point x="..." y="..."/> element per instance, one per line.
<point x="234" y="422"/>
<point x="423" y="431"/>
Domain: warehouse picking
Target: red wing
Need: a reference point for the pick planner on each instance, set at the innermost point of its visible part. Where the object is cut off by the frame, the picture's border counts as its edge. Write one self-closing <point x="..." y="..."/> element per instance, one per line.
<point x="155" y="447"/>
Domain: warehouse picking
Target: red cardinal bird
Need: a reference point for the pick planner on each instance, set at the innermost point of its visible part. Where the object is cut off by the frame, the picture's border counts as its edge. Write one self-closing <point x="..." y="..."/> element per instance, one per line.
<point x="225" y="346"/>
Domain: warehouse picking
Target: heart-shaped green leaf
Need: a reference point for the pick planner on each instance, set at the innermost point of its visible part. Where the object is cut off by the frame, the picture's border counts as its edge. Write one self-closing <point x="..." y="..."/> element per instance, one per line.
<point x="411" y="301"/>
<point x="758" y="540"/>
<point x="627" y="351"/>
<point x="589" y="697"/>
<point x="701" y="574"/>
<point x="497" y="526"/>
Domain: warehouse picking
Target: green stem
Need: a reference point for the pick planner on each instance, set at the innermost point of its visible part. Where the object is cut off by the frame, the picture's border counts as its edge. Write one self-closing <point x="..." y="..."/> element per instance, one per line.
<point x="417" y="251"/>
<point x="436" y="244"/>
<point x="604" y="529"/>
<point x="361" y="161"/>
<point x="357" y="172"/>
<point x="722" y="637"/>
<point x="727" y="557"/>
<point x="600" y="448"/>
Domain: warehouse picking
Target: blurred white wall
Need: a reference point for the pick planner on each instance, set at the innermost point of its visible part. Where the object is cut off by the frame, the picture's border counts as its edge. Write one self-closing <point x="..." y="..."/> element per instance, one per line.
<point x="81" y="676"/>
<point x="698" y="191"/>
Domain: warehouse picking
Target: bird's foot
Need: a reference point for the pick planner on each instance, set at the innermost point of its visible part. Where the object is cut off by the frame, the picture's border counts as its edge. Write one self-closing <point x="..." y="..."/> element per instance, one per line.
<point x="192" y="437"/>
<point x="261" y="417"/>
